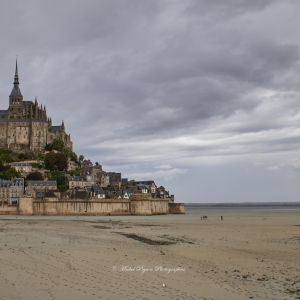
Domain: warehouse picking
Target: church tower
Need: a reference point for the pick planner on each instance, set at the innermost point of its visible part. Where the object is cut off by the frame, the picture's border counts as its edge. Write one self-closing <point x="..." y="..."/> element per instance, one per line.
<point x="15" y="110"/>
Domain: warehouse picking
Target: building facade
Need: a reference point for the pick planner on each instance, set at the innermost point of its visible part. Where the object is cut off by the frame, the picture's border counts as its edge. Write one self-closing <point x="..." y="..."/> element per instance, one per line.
<point x="11" y="190"/>
<point x="26" y="126"/>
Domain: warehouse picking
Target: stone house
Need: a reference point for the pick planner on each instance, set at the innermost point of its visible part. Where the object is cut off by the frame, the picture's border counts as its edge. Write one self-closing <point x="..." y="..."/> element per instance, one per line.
<point x="43" y="184"/>
<point x="23" y="167"/>
<point x="11" y="190"/>
<point x="77" y="182"/>
<point x="96" y="191"/>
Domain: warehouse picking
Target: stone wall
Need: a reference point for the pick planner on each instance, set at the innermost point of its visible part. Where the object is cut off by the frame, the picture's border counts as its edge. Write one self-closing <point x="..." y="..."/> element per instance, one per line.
<point x="7" y="209"/>
<point x="25" y="205"/>
<point x="139" y="205"/>
<point x="176" y="208"/>
<point x="81" y="207"/>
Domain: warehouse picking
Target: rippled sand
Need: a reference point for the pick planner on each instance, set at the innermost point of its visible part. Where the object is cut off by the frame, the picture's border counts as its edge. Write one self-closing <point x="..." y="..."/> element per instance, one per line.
<point x="252" y="254"/>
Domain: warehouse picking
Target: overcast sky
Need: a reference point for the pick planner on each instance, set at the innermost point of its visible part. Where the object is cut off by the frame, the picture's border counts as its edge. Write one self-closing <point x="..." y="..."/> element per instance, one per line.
<point x="201" y="96"/>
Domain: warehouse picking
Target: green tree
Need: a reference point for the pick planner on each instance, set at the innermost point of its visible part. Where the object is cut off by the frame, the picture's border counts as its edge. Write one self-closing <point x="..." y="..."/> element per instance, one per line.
<point x="50" y="160"/>
<point x="59" y="176"/>
<point x="74" y="157"/>
<point x="22" y="156"/>
<point x="75" y="172"/>
<point x="41" y="156"/>
<point x="62" y="187"/>
<point x="6" y="157"/>
<point x="58" y="145"/>
<point x="35" y="176"/>
<point x="49" y="147"/>
<point x="9" y="173"/>
<point x="5" y="151"/>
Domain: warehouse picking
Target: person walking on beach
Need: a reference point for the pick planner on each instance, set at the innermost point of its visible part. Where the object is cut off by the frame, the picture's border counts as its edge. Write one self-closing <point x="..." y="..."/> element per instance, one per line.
<point x="221" y="218"/>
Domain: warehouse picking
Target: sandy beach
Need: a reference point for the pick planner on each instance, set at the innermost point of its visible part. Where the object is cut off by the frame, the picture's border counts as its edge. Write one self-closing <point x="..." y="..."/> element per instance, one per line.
<point x="254" y="253"/>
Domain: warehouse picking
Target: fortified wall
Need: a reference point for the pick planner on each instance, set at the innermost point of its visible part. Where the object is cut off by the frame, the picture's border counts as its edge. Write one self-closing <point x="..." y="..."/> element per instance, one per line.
<point x="138" y="204"/>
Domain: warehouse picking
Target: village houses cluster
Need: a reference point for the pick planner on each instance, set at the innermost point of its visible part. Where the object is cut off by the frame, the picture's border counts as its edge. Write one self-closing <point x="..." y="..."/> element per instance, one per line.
<point x="93" y="183"/>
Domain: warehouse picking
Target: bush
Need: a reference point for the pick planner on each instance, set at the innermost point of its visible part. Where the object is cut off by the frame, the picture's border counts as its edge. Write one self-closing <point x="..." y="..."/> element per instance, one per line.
<point x="6" y="158"/>
<point x="35" y="165"/>
<point x="49" y="147"/>
<point x="9" y="173"/>
<point x="41" y="156"/>
<point x="62" y="187"/>
<point x="22" y="156"/>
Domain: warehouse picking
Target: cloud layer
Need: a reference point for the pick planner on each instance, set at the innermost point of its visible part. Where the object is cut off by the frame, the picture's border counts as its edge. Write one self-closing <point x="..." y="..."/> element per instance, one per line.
<point x="142" y="84"/>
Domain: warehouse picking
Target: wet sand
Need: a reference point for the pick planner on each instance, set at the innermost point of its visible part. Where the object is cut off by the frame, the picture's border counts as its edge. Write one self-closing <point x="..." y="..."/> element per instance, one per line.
<point x="254" y="253"/>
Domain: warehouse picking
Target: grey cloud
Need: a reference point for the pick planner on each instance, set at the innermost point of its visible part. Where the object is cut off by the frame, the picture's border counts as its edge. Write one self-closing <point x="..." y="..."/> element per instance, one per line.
<point x="126" y="73"/>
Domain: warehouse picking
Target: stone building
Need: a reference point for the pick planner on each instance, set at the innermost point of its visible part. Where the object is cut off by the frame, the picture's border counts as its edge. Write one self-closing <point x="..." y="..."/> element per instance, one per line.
<point x="26" y="126"/>
<point x="23" y="167"/>
<point x="11" y="190"/>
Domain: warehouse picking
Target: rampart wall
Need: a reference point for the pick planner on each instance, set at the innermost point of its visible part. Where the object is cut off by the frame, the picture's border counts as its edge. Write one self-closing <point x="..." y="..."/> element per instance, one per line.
<point x="139" y="205"/>
<point x="176" y="208"/>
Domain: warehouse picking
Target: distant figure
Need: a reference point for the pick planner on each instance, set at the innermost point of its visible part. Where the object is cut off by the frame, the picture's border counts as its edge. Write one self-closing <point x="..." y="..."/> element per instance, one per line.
<point x="201" y="217"/>
<point x="204" y="217"/>
<point x="221" y="218"/>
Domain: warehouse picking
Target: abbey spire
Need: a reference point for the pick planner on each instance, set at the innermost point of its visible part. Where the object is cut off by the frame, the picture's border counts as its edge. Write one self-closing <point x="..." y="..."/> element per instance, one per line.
<point x="16" y="90"/>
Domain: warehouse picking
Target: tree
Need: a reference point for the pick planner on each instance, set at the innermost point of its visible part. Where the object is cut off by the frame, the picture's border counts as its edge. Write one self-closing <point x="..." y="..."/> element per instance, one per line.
<point x="74" y="157"/>
<point x="41" y="156"/>
<point x="59" y="176"/>
<point x="22" y="156"/>
<point x="56" y="161"/>
<point x="67" y="152"/>
<point x="3" y="167"/>
<point x="61" y="161"/>
<point x="50" y="159"/>
<point x="49" y="147"/>
<point x="62" y="187"/>
<point x="75" y="172"/>
<point x="6" y="158"/>
<point x="58" y="145"/>
<point x="9" y="173"/>
<point x="35" y="176"/>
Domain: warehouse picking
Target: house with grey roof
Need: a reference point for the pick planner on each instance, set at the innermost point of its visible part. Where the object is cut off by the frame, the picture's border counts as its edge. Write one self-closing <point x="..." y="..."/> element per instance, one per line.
<point x="43" y="184"/>
<point x="11" y="190"/>
<point x="96" y="191"/>
<point x="23" y="167"/>
<point x="77" y="182"/>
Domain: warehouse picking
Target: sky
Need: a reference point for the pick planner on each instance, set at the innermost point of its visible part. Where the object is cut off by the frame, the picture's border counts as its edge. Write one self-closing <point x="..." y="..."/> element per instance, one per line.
<point x="203" y="97"/>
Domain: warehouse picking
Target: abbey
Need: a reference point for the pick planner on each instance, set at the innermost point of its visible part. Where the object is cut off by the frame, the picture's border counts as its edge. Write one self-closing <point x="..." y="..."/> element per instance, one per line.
<point x="25" y="125"/>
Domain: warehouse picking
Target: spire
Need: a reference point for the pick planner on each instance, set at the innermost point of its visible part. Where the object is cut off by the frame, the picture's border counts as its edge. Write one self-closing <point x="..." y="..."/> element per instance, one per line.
<point x="63" y="126"/>
<point x="16" y="90"/>
<point x="16" y="73"/>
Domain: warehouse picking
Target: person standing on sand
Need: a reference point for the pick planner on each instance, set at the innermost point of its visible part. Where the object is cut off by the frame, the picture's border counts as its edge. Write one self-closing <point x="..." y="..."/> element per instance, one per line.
<point x="221" y="218"/>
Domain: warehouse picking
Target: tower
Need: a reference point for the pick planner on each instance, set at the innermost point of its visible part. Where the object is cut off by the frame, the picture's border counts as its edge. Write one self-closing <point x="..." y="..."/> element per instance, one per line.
<point x="15" y="110"/>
